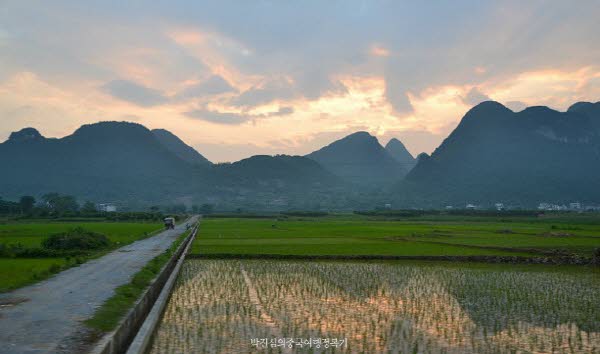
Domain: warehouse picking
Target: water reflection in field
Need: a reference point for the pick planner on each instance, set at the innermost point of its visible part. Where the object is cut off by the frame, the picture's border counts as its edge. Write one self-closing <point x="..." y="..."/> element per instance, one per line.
<point x="219" y="306"/>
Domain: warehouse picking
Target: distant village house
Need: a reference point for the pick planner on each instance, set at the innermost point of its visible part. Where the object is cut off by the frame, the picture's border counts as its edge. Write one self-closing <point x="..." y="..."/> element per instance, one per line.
<point x="107" y="207"/>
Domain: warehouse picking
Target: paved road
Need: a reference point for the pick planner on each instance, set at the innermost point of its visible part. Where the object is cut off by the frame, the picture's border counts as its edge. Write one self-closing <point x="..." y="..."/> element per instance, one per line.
<point x="51" y="311"/>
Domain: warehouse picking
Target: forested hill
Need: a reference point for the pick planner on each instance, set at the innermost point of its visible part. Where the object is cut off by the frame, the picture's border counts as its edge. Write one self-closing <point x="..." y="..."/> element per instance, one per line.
<point x="497" y="155"/>
<point x="102" y="161"/>
<point x="494" y="155"/>
<point x="360" y="159"/>
<point x="131" y="165"/>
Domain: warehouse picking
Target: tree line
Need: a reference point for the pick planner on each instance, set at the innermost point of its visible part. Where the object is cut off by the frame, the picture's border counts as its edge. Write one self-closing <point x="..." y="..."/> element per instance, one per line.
<point x="50" y="203"/>
<point x="61" y="205"/>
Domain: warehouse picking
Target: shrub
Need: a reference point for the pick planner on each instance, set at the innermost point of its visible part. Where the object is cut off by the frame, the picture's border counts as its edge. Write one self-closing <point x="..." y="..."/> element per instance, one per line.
<point x="596" y="257"/>
<point x="11" y="250"/>
<point x="76" y="239"/>
<point x="54" y="268"/>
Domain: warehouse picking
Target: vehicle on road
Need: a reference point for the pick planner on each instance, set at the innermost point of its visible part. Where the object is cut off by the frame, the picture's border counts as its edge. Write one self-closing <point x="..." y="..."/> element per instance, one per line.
<point x="169" y="223"/>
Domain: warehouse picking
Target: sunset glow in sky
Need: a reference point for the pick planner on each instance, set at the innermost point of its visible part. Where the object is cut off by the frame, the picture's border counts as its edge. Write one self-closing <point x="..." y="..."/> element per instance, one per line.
<point x="238" y="78"/>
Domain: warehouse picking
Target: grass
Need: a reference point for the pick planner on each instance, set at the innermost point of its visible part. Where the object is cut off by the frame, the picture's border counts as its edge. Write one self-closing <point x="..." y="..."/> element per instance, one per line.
<point x="18" y="272"/>
<point x="107" y="317"/>
<point x="358" y="235"/>
<point x="32" y="234"/>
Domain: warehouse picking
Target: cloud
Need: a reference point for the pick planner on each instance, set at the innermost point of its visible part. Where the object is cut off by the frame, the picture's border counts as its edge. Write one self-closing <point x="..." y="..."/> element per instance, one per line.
<point x="218" y="117"/>
<point x="282" y="111"/>
<point x="516" y="106"/>
<point x="280" y="89"/>
<point x="378" y="50"/>
<point x="135" y="93"/>
<point x="398" y="98"/>
<point x="214" y="85"/>
<point x="416" y="141"/>
<point x="315" y="84"/>
<point x="475" y="97"/>
<point x="557" y="89"/>
<point x="480" y="70"/>
<point x="425" y="59"/>
<point x="308" y="85"/>
<point x="590" y="88"/>
<point x="28" y="101"/>
<point x="234" y="118"/>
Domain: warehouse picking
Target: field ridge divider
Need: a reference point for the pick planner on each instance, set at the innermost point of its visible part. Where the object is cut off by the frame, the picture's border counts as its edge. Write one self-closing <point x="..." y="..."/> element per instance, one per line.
<point x="557" y="260"/>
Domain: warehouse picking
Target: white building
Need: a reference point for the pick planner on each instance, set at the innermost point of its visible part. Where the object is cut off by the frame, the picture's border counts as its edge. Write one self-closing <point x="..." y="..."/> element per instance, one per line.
<point x="107" y="207"/>
<point x="551" y="207"/>
<point x="575" y="206"/>
<point x="499" y="206"/>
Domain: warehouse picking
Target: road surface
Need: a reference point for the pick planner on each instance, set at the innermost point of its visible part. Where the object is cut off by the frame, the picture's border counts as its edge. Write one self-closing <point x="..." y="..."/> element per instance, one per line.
<point x="46" y="317"/>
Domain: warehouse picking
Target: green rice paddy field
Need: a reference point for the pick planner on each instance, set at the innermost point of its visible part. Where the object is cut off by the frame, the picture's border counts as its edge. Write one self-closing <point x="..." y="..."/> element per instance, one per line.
<point x="422" y="236"/>
<point x="32" y="234"/>
<point x="17" y="272"/>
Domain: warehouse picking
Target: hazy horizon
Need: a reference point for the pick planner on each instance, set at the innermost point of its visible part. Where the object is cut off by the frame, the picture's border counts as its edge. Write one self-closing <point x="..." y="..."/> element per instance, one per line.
<point x="236" y="79"/>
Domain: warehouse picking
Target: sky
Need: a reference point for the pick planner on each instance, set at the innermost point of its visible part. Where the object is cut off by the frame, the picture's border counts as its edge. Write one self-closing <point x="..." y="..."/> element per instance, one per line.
<point x="239" y="78"/>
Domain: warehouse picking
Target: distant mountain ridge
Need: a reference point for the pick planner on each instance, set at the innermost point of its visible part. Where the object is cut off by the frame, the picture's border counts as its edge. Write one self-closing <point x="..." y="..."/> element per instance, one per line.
<point x="26" y="134"/>
<point x="360" y="159"/>
<point x="497" y="155"/>
<point x="591" y="110"/>
<point x="112" y="160"/>
<point x="399" y="152"/>
<point x="179" y="148"/>
<point x="494" y="155"/>
<point x="127" y="163"/>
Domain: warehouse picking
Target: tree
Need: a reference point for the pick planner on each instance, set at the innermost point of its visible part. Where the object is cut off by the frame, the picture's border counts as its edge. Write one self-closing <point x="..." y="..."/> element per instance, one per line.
<point x="50" y="200"/>
<point x="26" y="203"/>
<point x="60" y="203"/>
<point x="8" y="207"/>
<point x="89" y="208"/>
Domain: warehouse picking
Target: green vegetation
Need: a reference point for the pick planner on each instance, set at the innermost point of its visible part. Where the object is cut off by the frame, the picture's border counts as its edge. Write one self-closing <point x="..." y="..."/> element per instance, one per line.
<point x="31" y="234"/>
<point x="76" y="239"/>
<point x="110" y="313"/>
<point x="427" y="235"/>
<point x="17" y="272"/>
<point x="23" y="260"/>
<point x="55" y="206"/>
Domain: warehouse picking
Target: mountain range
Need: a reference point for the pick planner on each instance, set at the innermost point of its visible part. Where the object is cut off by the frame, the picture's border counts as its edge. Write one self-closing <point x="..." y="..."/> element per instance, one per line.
<point x="128" y="164"/>
<point x="179" y="148"/>
<point x="494" y="155"/>
<point x="398" y="151"/>
<point x="524" y="158"/>
<point x="101" y="162"/>
<point x="360" y="159"/>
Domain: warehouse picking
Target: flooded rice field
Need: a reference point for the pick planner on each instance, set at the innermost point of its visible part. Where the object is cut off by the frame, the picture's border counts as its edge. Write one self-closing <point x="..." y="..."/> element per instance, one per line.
<point x="246" y="306"/>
